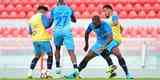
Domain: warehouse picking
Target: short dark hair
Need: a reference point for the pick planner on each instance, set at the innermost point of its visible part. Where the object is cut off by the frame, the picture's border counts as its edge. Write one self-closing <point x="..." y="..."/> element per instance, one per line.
<point x="96" y="17"/>
<point x="42" y="7"/>
<point x="108" y="6"/>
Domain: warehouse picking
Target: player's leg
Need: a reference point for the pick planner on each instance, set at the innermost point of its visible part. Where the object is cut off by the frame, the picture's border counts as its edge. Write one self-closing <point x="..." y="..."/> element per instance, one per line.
<point x="85" y="60"/>
<point x="58" y="41"/>
<point x="82" y="64"/>
<point x="110" y="70"/>
<point x="48" y="49"/>
<point x="69" y="43"/>
<point x="106" y="55"/>
<point x="121" y="61"/>
<point x="35" y="59"/>
<point x="91" y="54"/>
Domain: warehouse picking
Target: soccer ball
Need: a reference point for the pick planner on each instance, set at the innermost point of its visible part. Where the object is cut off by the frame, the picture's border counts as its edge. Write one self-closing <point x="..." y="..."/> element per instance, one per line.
<point x="43" y="74"/>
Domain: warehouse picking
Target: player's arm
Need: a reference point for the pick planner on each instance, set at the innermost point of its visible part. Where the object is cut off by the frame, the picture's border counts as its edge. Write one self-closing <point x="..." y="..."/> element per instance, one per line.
<point x="30" y="30"/>
<point x="121" y="28"/>
<point x="87" y="32"/>
<point x="46" y="22"/>
<point x="73" y="18"/>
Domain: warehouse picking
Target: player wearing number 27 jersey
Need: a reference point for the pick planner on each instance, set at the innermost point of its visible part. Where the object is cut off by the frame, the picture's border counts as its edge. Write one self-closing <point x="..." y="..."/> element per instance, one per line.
<point x="62" y="16"/>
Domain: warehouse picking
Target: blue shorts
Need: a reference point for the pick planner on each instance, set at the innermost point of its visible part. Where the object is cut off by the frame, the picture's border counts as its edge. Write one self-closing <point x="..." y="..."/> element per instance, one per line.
<point x="95" y="49"/>
<point x="41" y="47"/>
<point x="112" y="45"/>
<point x="97" y="46"/>
<point x="64" y="37"/>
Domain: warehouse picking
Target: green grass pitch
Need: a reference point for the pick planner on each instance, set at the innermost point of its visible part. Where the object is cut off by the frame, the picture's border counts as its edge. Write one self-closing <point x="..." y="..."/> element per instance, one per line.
<point x="80" y="79"/>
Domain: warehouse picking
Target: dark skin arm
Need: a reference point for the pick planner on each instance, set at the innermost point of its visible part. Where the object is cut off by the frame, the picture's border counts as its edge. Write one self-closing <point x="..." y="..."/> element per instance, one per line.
<point x="86" y="41"/>
<point x="121" y="28"/>
<point x="73" y="18"/>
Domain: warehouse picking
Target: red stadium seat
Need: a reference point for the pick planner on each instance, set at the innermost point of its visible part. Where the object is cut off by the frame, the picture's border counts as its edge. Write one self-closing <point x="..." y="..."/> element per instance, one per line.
<point x="2" y="7"/>
<point x="10" y="7"/>
<point x="123" y="14"/>
<point x="156" y="7"/>
<point x="142" y="14"/>
<point x="82" y="7"/>
<point x="77" y="14"/>
<point x="133" y="1"/>
<point x="15" y="2"/>
<point x="158" y="14"/>
<point x="128" y="7"/>
<point x="94" y="13"/>
<point x="73" y="6"/>
<point x="19" y="7"/>
<point x="30" y="14"/>
<point x="152" y="1"/>
<point x="23" y="32"/>
<point x="4" y="15"/>
<point x="91" y="7"/>
<point x="6" y="1"/>
<point x="151" y="14"/>
<point x="132" y="14"/>
<point x="99" y="7"/>
<point x="138" y="7"/>
<point x="43" y="1"/>
<point x="147" y="7"/>
<point x="150" y="31"/>
<point x="123" y="1"/>
<point x="28" y="7"/>
<point x="102" y="14"/>
<point x="142" y="1"/>
<point x="86" y="15"/>
<point x="22" y="14"/>
<point x="69" y="1"/>
<point x="31" y="2"/>
<point x="119" y="7"/>
<point x="5" y="32"/>
<point x="35" y="7"/>
<point x="13" y="14"/>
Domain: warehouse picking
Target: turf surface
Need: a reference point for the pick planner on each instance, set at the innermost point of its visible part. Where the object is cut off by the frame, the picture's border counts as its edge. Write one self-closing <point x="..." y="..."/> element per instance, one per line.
<point x="80" y="79"/>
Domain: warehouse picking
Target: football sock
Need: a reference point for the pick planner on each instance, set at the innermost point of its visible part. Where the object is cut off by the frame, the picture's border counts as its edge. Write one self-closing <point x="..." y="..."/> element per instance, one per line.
<point x="123" y="65"/>
<point x="49" y="62"/>
<point x="34" y="62"/>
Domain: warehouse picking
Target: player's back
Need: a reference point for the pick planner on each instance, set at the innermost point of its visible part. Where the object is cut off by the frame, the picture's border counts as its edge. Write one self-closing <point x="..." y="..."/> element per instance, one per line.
<point x="61" y="15"/>
<point x="38" y="29"/>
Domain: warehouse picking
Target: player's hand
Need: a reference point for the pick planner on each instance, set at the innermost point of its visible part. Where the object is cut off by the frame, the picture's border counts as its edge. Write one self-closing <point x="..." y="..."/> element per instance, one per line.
<point x="86" y="48"/>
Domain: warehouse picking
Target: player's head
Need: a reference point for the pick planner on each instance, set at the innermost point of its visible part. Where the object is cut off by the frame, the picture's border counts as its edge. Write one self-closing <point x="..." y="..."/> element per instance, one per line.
<point x="108" y="10"/>
<point x="42" y="9"/>
<point x="60" y="2"/>
<point x="96" y="21"/>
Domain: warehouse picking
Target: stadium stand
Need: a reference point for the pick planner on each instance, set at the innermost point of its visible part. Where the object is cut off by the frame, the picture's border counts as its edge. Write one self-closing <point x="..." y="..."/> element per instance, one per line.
<point x="133" y="31"/>
<point x="9" y="8"/>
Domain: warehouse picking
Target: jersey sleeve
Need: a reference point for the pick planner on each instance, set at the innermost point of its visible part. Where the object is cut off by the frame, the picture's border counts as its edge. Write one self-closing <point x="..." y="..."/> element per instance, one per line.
<point x="89" y="29"/>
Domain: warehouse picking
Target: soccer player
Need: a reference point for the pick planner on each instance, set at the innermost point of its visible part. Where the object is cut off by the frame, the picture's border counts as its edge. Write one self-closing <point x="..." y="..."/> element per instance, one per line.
<point x="113" y="47"/>
<point x="104" y="36"/>
<point x="41" y="38"/>
<point x="62" y="16"/>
